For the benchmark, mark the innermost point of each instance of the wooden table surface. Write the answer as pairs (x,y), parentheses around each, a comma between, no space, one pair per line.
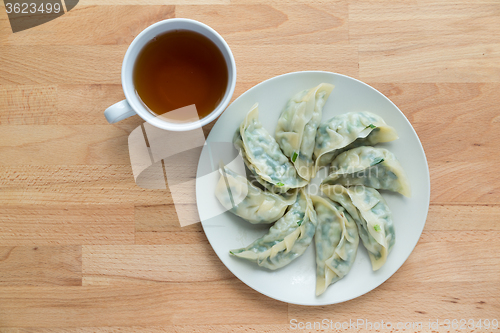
(83,249)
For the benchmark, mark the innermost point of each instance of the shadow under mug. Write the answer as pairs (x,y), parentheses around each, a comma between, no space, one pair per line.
(133,105)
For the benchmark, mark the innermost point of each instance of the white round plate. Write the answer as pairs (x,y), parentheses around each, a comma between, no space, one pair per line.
(295,283)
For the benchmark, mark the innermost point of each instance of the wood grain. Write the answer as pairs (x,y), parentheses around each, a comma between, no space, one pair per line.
(454,261)
(467,63)
(61,64)
(392,40)
(445,300)
(238,328)
(83,249)
(463,218)
(28,105)
(83,104)
(464,182)
(41,265)
(78,184)
(261,63)
(171,237)
(64,145)
(66,224)
(390,26)
(159,225)
(461,144)
(147,305)
(168,263)
(101,64)
(152,2)
(277,24)
(110,25)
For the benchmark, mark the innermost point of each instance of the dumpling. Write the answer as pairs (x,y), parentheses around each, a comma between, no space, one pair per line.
(263,156)
(243,199)
(336,240)
(254,179)
(297,125)
(372,216)
(287,239)
(369,166)
(347,131)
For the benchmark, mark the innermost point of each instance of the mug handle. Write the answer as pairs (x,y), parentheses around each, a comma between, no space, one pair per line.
(119,111)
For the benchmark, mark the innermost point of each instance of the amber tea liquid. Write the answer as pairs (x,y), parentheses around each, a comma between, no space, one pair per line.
(180,68)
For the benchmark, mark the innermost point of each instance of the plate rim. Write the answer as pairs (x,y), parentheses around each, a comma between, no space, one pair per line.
(427,194)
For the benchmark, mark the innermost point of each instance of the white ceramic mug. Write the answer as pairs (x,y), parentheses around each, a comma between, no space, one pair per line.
(133,105)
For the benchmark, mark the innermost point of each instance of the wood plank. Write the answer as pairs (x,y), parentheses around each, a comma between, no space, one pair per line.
(111,25)
(61,64)
(290,327)
(64,145)
(158,224)
(69,104)
(288,2)
(421,301)
(148,305)
(237,328)
(445,222)
(469,133)
(463,218)
(466,63)
(455,38)
(86,3)
(387,24)
(160,218)
(232,328)
(426,103)
(476,144)
(9,330)
(166,263)
(28,105)
(452,261)
(85,104)
(459,236)
(101,64)
(41,266)
(455,183)
(442,327)
(461,146)
(66,224)
(78,184)
(170,237)
(266,61)
(281,24)
(464,182)
(151,2)
(414,99)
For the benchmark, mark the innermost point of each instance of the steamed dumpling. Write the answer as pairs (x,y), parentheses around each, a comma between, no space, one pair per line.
(347,131)
(369,166)
(372,216)
(287,239)
(263,156)
(249,202)
(336,242)
(297,125)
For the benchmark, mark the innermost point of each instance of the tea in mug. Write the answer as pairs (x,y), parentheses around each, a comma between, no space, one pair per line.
(180,68)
